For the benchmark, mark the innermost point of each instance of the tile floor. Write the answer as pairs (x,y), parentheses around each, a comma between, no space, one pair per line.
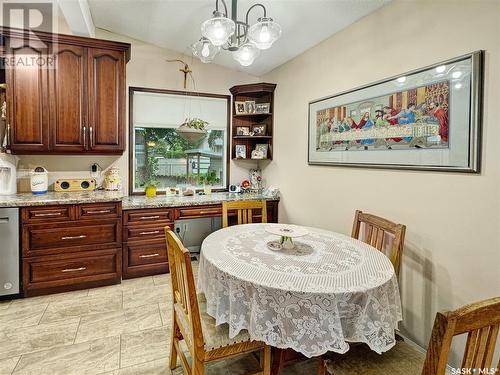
(119,329)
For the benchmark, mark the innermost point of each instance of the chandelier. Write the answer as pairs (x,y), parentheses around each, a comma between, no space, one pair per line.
(243,40)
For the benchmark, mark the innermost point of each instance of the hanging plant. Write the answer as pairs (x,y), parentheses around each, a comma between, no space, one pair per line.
(193,130)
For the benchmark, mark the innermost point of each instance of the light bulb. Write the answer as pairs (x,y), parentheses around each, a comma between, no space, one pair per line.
(218,30)
(245,54)
(457,74)
(205,51)
(401,79)
(264,34)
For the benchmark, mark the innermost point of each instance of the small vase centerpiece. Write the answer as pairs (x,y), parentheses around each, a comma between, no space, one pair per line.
(287,233)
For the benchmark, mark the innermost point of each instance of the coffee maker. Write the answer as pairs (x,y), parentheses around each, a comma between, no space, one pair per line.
(8,182)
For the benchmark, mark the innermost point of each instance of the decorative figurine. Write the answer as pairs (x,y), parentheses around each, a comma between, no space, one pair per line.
(112,180)
(256,179)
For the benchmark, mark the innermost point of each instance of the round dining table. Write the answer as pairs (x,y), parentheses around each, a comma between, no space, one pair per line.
(327,291)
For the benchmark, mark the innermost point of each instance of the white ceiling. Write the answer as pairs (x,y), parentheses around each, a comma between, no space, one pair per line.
(175,24)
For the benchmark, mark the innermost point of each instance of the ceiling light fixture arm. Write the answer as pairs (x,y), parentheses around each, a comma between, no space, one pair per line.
(217,7)
(253,6)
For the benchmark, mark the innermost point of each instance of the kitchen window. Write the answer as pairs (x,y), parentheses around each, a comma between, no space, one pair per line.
(169,156)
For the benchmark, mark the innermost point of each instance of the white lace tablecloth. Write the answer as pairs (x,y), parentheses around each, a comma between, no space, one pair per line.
(328,291)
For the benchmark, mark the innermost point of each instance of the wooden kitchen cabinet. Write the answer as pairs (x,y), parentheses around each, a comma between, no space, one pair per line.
(68,247)
(76,106)
(106,100)
(144,246)
(27,100)
(68,112)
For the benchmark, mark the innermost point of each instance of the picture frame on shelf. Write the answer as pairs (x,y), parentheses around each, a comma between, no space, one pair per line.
(241,151)
(242,130)
(239,108)
(260,151)
(250,106)
(262,107)
(259,129)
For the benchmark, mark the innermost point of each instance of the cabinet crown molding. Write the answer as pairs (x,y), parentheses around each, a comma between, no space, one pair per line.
(11,32)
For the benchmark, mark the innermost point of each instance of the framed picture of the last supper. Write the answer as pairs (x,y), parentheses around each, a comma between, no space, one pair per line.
(428,119)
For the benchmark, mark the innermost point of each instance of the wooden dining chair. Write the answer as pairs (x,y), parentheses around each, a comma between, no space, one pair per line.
(480,321)
(244,211)
(382,234)
(205,341)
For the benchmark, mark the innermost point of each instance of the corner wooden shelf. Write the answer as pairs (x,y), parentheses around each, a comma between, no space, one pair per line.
(260,93)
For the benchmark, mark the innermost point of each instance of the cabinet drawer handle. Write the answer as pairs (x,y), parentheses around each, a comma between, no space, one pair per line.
(49,214)
(73,237)
(152,232)
(149,217)
(74,269)
(99,212)
(149,255)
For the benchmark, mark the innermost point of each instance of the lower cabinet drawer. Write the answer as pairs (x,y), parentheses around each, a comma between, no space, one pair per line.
(144,258)
(201,211)
(147,216)
(47,214)
(142,233)
(65,273)
(147,253)
(69,237)
(99,211)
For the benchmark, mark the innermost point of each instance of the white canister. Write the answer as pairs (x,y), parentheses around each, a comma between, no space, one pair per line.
(39,180)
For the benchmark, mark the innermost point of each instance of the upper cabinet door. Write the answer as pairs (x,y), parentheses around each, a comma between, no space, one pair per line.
(68,99)
(27,101)
(106,100)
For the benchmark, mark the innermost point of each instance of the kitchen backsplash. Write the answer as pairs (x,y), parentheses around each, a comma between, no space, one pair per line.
(60,167)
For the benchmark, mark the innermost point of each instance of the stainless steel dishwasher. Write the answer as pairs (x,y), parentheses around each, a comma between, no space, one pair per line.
(9,251)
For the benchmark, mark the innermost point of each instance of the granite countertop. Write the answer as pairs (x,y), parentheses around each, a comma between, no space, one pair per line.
(141,201)
(128,202)
(29,199)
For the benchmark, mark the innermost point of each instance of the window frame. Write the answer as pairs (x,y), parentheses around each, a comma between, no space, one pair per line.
(131,145)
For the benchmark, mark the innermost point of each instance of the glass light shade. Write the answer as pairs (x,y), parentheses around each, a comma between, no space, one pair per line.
(204,50)
(246,54)
(218,30)
(264,33)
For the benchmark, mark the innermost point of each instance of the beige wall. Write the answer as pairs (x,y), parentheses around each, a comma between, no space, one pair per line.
(452,253)
(148,68)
